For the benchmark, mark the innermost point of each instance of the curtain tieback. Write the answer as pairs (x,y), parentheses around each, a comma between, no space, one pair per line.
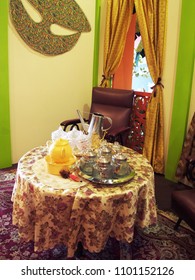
(158,83)
(104,78)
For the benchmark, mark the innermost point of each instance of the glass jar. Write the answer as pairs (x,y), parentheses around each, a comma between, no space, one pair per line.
(106,152)
(121,167)
(87,162)
(102,169)
(116,147)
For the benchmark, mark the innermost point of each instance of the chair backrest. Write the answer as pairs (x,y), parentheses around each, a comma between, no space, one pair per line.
(113,103)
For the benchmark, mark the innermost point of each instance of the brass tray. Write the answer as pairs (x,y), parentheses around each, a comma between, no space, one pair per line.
(111,181)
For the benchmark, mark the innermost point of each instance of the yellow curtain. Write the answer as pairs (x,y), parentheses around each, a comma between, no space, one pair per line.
(152,15)
(118,19)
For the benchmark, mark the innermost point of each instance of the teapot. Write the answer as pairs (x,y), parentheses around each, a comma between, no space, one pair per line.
(60,151)
(96,124)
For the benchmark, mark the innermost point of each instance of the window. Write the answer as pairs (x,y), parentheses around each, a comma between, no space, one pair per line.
(141,79)
(133,72)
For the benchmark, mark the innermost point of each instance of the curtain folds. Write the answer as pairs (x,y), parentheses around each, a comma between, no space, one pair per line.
(152,17)
(118,19)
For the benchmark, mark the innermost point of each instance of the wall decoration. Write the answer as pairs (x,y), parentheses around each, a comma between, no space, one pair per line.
(38,35)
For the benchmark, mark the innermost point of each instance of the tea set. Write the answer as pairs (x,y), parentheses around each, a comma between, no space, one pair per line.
(101,163)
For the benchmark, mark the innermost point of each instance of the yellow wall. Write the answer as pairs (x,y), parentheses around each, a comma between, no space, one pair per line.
(47,90)
(172,43)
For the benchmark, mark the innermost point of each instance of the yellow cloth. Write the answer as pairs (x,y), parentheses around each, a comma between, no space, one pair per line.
(152,19)
(118,19)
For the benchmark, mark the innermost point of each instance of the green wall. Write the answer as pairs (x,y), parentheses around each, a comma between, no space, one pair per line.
(183,87)
(5,142)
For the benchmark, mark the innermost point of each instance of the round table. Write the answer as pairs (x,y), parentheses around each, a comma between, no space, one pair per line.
(51,210)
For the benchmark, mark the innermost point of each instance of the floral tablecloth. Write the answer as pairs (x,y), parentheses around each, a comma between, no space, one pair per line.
(51,210)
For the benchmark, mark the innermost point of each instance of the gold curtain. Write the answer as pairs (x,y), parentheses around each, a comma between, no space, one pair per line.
(152,15)
(118,19)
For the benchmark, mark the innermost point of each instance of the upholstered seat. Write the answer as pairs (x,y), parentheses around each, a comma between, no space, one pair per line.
(115,104)
(183,204)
